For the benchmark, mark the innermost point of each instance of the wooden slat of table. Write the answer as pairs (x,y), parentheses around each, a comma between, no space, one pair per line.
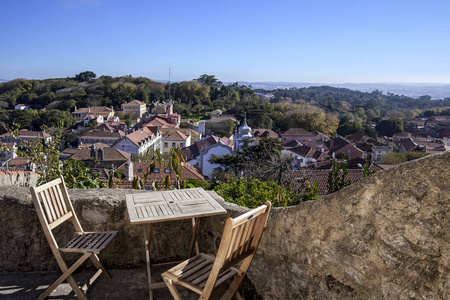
(171,205)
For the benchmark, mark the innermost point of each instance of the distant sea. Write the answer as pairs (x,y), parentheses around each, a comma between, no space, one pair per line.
(415,90)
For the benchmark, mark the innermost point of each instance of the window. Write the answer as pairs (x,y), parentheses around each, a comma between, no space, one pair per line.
(181,145)
(166,145)
(173,145)
(156,170)
(167,170)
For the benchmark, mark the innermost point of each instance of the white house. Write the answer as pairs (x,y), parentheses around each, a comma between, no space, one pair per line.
(139,142)
(6,155)
(89,118)
(379,151)
(218,149)
(304,156)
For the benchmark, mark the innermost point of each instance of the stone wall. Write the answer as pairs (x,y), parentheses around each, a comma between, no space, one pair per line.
(385,237)
(18,178)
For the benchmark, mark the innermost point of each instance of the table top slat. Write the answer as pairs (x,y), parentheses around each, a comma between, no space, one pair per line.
(149,211)
(164,209)
(155,213)
(171,205)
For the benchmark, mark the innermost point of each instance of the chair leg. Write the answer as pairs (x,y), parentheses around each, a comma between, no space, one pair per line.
(68,275)
(238,296)
(232,289)
(173,290)
(99,266)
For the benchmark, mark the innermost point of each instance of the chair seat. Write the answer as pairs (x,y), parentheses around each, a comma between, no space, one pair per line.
(89,242)
(194,272)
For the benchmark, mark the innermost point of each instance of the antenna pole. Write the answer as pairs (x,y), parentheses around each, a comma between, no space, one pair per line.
(168,90)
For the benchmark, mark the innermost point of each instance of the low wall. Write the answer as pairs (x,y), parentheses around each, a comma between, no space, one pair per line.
(385,237)
(18,178)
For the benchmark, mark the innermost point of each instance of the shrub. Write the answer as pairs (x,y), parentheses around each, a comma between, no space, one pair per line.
(198,183)
(253,193)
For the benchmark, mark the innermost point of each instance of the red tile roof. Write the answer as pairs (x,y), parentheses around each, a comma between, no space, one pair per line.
(109,154)
(96,145)
(189,172)
(102,134)
(298,132)
(265,133)
(320,176)
(19,161)
(93,109)
(160,121)
(177,135)
(25,133)
(134,102)
(194,150)
(140,136)
(358,137)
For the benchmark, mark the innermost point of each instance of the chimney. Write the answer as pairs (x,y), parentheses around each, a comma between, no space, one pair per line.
(129,170)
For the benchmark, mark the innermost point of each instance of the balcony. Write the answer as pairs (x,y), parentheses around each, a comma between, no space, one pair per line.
(385,237)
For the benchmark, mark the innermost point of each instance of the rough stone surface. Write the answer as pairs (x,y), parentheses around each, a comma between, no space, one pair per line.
(19,179)
(385,237)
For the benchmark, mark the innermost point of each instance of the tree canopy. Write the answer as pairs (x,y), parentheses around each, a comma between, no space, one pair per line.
(390,127)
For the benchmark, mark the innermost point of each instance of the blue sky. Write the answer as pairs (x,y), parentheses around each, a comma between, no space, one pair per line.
(323,41)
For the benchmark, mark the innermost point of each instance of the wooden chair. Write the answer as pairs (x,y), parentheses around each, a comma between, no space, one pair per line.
(53,207)
(205,274)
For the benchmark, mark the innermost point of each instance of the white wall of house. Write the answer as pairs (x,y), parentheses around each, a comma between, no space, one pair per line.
(299,160)
(447,141)
(99,120)
(5,155)
(217,149)
(128,146)
(200,128)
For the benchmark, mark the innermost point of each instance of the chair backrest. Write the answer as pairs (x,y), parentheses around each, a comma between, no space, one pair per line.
(240,241)
(53,207)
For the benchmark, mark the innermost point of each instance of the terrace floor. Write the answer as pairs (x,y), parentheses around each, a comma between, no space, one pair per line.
(125,284)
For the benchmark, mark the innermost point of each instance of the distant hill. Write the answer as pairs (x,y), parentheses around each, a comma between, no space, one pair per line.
(3,80)
(415,90)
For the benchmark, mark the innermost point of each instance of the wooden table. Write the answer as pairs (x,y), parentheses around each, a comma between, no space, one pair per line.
(153,207)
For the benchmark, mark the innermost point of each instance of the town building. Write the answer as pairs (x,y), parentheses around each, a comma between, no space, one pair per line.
(25,135)
(298,134)
(139,142)
(136,109)
(101,134)
(175,139)
(82,113)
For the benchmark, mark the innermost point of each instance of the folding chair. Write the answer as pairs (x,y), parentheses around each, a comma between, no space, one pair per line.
(205,274)
(53,207)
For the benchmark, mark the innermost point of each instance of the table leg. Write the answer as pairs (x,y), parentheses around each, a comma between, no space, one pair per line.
(194,242)
(148,244)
